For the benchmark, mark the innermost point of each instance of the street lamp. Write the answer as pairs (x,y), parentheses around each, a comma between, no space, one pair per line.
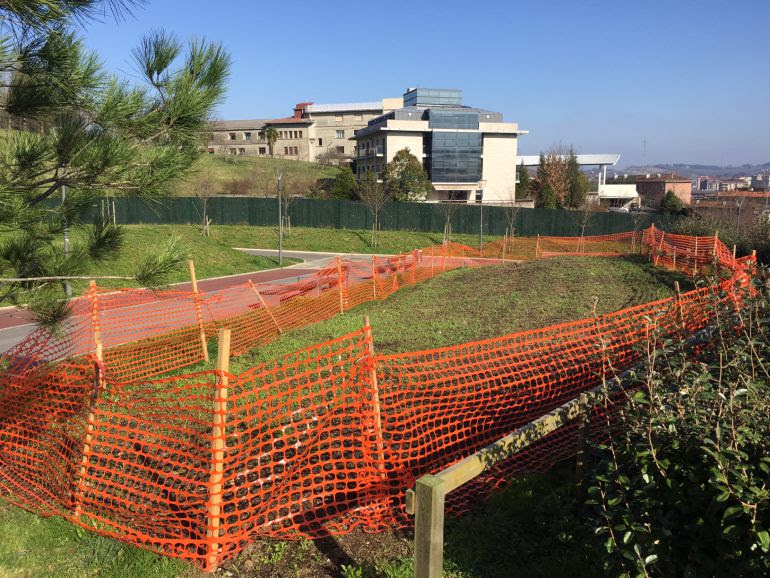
(480,197)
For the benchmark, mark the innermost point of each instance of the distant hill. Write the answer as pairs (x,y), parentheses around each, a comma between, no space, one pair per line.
(692,171)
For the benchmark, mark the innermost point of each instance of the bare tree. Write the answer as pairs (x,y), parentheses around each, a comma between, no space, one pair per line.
(295,186)
(583,217)
(553,174)
(511,210)
(374,196)
(448,209)
(204,190)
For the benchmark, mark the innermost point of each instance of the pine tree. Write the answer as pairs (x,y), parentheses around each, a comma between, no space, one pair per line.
(522,187)
(578,183)
(97,134)
(405,178)
(344,185)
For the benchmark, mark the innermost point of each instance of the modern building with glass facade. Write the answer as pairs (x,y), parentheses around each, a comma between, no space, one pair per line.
(468,153)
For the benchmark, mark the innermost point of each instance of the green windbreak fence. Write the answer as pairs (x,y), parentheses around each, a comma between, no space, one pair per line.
(341,214)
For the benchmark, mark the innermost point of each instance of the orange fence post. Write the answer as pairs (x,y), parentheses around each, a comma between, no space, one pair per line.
(214,507)
(264,304)
(374,277)
(198,312)
(375,397)
(340,284)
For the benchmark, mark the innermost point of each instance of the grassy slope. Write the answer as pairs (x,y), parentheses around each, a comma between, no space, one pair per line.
(472,304)
(213,256)
(258,172)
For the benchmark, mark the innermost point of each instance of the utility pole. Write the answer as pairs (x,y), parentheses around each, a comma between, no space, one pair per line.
(280,220)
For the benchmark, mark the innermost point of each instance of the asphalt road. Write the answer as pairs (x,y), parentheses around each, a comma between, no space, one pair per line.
(16,324)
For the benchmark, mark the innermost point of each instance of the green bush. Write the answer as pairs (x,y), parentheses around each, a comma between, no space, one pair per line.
(683,487)
(671,204)
(754,237)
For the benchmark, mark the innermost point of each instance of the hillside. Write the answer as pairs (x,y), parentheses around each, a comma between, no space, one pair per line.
(251,175)
(696,170)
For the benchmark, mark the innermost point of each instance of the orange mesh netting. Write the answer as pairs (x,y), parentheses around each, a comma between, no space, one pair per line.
(320,441)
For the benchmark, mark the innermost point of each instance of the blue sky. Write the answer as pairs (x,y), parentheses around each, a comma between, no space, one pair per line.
(692,78)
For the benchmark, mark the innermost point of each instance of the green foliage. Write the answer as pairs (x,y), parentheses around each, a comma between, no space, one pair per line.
(754,237)
(671,204)
(578,183)
(547,197)
(270,134)
(344,185)
(405,178)
(523,186)
(95,134)
(683,487)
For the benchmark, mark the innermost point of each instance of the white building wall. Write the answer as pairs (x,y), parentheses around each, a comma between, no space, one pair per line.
(401,140)
(499,167)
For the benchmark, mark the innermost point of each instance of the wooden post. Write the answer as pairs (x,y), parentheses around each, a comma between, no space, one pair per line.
(674,260)
(340,284)
(432,264)
(414,265)
(652,239)
(85,454)
(374,277)
(264,304)
(99,350)
(505,243)
(660,247)
(695,261)
(537,246)
(375,397)
(198,311)
(678,306)
(714,255)
(214,508)
(443,258)
(582,443)
(429,527)
(734,251)
(395,276)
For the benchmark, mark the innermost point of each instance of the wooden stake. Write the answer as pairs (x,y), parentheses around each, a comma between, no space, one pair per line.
(214,508)
(652,239)
(429,527)
(432,264)
(340,284)
(582,443)
(695,261)
(414,265)
(660,248)
(734,251)
(198,311)
(264,304)
(375,397)
(679,313)
(443,258)
(374,277)
(85,454)
(537,246)
(716,242)
(99,349)
(505,243)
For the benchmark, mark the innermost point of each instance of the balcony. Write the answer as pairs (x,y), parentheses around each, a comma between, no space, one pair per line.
(371,152)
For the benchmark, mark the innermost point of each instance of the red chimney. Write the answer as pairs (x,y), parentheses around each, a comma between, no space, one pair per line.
(299,109)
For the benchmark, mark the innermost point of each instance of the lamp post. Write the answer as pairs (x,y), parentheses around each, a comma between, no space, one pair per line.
(480,196)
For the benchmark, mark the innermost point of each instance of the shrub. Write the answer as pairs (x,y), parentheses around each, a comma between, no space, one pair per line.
(671,204)
(755,237)
(683,488)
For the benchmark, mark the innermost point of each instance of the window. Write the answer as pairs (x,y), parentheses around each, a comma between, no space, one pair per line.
(338,117)
(231,136)
(241,151)
(296,134)
(262,150)
(300,134)
(340,134)
(286,151)
(211,150)
(341,150)
(247,136)
(358,117)
(296,150)
(232,151)
(320,142)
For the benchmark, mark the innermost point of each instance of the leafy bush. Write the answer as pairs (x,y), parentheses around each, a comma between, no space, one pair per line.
(683,488)
(755,237)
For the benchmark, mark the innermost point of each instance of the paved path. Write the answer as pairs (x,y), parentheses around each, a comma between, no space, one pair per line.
(16,324)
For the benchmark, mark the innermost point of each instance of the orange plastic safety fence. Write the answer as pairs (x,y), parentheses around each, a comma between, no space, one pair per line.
(320,441)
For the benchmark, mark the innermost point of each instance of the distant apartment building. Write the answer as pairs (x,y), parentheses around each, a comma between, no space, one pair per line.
(312,132)
(469,154)
(761,183)
(653,188)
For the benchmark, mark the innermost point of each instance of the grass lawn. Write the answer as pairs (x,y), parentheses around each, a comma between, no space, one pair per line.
(472,304)
(526,530)
(311,239)
(213,256)
(250,174)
